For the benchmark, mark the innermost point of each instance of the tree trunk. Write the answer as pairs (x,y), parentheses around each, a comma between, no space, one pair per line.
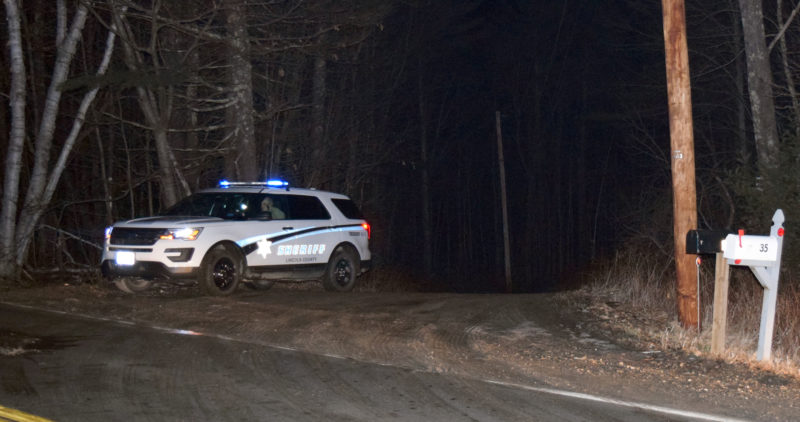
(787,72)
(30,216)
(425,200)
(742,146)
(17,100)
(166,167)
(318,145)
(35,201)
(16,237)
(156,106)
(352,145)
(105,168)
(501,167)
(244,158)
(759,82)
(44,137)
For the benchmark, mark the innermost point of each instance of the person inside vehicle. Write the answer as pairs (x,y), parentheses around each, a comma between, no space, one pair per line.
(270,211)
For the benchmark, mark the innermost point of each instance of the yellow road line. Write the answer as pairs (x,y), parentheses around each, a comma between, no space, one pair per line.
(14,415)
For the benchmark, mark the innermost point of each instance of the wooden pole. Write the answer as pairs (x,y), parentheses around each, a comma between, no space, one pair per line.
(720,323)
(504,202)
(682,151)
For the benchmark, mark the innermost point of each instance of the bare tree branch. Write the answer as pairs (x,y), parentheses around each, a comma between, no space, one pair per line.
(784,27)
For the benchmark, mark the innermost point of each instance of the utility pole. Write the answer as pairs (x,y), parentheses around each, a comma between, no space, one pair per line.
(684,196)
(504,202)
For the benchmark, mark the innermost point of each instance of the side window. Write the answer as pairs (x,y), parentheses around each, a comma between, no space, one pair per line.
(268,207)
(305,208)
(348,208)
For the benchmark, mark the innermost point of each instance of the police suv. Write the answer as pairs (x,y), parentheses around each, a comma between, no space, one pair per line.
(254,233)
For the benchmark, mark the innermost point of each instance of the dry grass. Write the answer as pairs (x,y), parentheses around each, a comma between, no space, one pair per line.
(646,287)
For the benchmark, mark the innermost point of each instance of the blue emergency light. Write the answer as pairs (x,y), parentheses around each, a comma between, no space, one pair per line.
(271,183)
(277,183)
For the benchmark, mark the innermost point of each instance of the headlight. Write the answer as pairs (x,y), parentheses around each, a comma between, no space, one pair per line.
(108,232)
(186,233)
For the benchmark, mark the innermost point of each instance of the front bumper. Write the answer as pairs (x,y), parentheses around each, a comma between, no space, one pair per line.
(145,269)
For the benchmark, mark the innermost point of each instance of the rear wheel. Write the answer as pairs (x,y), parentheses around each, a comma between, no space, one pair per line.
(221,271)
(342,271)
(132,284)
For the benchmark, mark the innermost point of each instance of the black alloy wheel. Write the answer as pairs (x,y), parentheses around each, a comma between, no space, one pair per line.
(342,271)
(221,271)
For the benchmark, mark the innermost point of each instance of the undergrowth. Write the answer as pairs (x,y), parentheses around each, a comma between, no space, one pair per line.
(646,286)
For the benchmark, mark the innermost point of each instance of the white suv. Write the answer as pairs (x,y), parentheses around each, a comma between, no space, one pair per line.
(255,233)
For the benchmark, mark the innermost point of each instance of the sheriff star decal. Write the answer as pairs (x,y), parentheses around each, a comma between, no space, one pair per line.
(264,246)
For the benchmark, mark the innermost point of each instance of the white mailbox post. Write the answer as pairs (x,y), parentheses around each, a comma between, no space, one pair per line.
(763,255)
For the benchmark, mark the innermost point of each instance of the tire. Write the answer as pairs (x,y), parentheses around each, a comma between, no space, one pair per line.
(260,284)
(221,271)
(340,276)
(132,285)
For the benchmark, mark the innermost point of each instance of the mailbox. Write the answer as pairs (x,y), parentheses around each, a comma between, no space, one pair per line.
(750,250)
(705,241)
(763,255)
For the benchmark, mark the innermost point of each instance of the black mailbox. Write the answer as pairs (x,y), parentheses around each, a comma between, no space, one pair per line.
(705,241)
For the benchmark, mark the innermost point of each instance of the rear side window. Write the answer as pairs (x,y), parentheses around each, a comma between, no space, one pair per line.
(306,208)
(348,208)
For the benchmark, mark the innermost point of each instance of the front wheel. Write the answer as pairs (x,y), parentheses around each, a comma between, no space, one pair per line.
(221,271)
(132,284)
(342,271)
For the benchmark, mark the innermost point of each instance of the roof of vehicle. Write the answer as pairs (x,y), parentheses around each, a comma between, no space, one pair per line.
(266,187)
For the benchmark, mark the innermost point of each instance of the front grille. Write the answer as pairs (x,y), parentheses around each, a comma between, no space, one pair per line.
(127,248)
(131,236)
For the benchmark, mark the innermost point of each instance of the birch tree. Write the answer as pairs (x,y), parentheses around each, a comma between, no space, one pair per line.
(17,100)
(18,224)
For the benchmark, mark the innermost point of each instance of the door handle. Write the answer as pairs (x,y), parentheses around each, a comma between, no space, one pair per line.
(288,228)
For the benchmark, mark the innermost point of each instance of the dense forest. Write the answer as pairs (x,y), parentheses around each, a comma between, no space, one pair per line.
(116,109)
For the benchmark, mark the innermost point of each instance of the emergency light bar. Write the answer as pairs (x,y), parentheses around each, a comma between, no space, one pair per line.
(277,183)
(271,183)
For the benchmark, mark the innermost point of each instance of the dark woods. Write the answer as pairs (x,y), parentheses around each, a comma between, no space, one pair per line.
(393,103)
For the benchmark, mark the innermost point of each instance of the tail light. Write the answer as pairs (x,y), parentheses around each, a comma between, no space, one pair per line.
(368,228)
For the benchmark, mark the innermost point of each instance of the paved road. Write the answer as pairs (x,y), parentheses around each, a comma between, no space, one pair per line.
(67,368)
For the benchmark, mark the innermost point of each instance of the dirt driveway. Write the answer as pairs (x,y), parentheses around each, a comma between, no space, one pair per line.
(552,340)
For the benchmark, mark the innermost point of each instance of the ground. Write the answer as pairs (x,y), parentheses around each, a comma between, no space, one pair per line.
(562,340)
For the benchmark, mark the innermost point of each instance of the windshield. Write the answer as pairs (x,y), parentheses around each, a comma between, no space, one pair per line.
(257,206)
(222,205)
